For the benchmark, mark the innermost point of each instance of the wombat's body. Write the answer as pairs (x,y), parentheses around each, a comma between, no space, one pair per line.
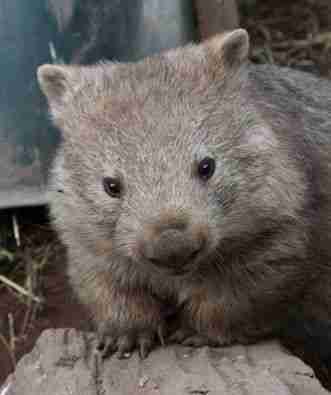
(194,183)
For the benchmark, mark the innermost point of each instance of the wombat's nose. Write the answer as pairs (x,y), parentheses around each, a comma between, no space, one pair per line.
(173,248)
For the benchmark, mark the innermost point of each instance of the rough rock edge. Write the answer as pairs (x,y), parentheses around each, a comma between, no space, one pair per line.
(64,362)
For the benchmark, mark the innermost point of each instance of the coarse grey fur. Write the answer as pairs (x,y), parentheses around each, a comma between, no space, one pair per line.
(228,256)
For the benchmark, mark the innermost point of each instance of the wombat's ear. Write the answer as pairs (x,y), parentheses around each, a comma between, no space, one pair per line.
(55,82)
(229,49)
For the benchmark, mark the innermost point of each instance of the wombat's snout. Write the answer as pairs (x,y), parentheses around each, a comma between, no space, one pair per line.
(173,246)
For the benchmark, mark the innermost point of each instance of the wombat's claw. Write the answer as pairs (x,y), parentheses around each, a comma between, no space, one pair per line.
(125,344)
(161,335)
(106,346)
(145,344)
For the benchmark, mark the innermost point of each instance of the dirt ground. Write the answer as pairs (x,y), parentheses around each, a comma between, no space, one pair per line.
(296,34)
(39,266)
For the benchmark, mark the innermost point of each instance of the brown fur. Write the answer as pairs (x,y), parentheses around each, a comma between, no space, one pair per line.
(258,231)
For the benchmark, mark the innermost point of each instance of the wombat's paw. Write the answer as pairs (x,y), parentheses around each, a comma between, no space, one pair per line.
(180,335)
(188,337)
(124,344)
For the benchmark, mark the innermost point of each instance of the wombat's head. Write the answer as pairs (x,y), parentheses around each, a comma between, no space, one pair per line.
(161,160)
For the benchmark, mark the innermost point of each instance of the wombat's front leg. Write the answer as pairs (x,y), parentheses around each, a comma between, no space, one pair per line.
(211,318)
(127,319)
(201,323)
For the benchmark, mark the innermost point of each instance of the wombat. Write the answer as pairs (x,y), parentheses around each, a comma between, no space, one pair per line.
(192,190)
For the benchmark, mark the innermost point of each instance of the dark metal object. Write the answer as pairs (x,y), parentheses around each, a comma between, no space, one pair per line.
(77,31)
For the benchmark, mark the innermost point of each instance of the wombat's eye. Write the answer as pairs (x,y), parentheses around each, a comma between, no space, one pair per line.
(206,168)
(112,186)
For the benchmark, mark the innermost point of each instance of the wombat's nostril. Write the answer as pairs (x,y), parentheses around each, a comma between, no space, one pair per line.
(173,248)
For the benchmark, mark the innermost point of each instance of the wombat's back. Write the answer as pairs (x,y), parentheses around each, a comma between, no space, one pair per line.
(294,96)
(298,105)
